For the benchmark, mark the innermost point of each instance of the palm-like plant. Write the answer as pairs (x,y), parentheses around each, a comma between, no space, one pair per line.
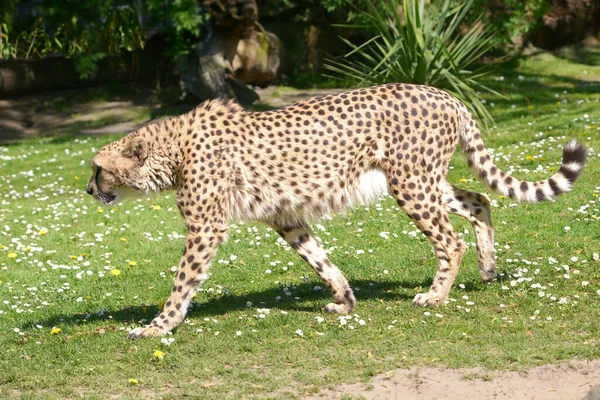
(430,45)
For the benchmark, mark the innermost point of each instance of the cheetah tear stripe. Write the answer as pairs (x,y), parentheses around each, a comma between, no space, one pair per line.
(574,158)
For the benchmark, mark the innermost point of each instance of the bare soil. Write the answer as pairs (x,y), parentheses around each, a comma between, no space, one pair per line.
(547,382)
(85,111)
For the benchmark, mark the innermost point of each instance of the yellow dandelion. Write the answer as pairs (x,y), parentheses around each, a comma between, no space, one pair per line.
(133,381)
(84,254)
(530,158)
(132,263)
(462,180)
(502,197)
(159,355)
(115,272)
(55,331)
(88,297)
(74,257)
(43,231)
(123,239)
(156,207)
(551,169)
(28,248)
(161,305)
(530,107)
(595,194)
(100,210)
(12,255)
(2,247)
(76,177)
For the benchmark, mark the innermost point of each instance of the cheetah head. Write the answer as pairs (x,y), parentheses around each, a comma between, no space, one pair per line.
(117,168)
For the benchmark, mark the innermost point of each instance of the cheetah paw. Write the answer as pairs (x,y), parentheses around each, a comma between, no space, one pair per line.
(488,275)
(335,308)
(148,331)
(427,300)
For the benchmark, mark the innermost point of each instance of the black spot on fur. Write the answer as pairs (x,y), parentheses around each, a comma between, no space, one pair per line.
(539,195)
(577,154)
(555,189)
(319,267)
(569,174)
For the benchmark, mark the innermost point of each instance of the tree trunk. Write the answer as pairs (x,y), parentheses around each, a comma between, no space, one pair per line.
(237,52)
(569,21)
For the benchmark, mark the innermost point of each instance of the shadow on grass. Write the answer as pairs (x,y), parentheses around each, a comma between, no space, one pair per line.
(530,87)
(388,291)
(59,138)
(581,55)
(62,128)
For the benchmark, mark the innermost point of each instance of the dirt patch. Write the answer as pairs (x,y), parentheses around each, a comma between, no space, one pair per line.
(100,110)
(43,115)
(547,382)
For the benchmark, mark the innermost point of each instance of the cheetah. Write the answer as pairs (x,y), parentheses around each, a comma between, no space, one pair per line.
(290,166)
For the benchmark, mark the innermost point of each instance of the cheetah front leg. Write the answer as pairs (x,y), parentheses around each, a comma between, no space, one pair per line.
(432,219)
(302,239)
(201,245)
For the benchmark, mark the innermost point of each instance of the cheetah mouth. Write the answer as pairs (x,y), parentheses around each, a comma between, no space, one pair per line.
(108,199)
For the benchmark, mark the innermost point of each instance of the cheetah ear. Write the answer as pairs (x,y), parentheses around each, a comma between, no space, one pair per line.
(136,148)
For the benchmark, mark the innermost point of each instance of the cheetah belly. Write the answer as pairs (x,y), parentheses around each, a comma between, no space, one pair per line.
(369,188)
(372,184)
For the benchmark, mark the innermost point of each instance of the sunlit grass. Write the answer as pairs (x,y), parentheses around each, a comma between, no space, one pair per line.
(257,328)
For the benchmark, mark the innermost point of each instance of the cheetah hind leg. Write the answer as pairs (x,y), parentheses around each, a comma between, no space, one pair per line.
(475,208)
(302,239)
(431,218)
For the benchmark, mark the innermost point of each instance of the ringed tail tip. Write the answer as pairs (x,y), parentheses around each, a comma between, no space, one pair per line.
(574,159)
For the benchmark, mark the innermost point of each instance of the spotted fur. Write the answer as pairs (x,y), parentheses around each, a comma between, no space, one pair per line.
(290,166)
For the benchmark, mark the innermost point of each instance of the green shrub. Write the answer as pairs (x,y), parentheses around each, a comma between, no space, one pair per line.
(511,20)
(422,44)
(90,30)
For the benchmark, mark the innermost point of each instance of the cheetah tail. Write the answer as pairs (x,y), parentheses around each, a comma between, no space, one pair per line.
(479,160)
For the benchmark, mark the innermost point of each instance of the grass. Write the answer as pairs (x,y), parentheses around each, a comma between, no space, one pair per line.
(257,328)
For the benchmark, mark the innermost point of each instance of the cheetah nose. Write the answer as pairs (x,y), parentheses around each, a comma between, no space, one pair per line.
(90,190)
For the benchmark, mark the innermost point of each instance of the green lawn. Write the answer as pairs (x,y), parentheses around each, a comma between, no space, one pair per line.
(75,277)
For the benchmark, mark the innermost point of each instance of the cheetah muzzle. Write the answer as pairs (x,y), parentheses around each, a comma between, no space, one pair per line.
(290,166)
